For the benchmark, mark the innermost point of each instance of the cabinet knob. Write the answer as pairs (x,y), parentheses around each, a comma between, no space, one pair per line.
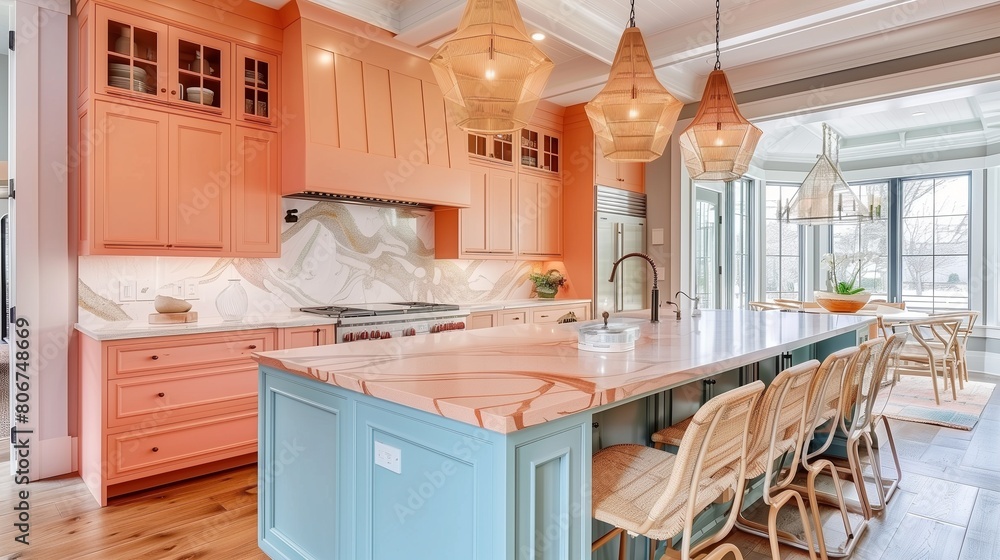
(155,357)
(163,90)
(319,331)
(253,346)
(155,449)
(161,395)
(173,92)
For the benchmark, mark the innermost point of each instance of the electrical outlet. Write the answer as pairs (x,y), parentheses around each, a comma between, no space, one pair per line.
(190,288)
(146,290)
(177,290)
(126,290)
(388,457)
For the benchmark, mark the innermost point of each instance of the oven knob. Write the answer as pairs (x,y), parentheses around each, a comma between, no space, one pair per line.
(410,332)
(348,337)
(386,335)
(460,325)
(364,335)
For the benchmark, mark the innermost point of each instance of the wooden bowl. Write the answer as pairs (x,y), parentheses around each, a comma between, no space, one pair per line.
(842,303)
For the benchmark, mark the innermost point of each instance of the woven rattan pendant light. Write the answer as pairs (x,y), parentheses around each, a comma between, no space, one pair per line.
(490,72)
(634,115)
(719,142)
(824,196)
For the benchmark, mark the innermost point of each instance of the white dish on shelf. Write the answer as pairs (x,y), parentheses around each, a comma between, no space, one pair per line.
(122,71)
(204,96)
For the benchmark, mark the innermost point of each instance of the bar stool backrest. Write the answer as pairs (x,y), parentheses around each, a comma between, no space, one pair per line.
(711,459)
(854,401)
(824,397)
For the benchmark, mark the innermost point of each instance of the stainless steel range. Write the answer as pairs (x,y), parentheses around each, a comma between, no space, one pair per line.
(372,321)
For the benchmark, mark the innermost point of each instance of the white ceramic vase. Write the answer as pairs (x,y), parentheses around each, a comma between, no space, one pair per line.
(232,302)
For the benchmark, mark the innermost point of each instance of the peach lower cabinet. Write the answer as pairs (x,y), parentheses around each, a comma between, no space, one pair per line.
(535,314)
(155,410)
(477,444)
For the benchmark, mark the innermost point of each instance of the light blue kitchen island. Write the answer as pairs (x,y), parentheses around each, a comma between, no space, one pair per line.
(477,444)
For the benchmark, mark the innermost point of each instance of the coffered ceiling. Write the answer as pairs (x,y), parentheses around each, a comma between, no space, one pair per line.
(764,43)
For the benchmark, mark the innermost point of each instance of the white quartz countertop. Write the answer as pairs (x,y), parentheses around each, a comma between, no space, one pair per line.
(118,330)
(508,378)
(512,303)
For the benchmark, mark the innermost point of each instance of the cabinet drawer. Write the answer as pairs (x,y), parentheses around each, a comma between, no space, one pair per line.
(513,317)
(164,449)
(552,314)
(178,352)
(170,398)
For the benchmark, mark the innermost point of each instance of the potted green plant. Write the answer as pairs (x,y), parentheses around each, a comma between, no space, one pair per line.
(547,283)
(844,296)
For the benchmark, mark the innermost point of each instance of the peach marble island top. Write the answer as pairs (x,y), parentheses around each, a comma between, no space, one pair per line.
(508,378)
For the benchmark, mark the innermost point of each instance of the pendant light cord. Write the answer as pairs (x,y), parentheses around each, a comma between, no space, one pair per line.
(718,53)
(631,15)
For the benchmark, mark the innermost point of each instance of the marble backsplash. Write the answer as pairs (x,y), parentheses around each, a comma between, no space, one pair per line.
(335,254)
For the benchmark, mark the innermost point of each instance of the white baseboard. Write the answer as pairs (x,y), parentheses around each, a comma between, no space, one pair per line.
(985,362)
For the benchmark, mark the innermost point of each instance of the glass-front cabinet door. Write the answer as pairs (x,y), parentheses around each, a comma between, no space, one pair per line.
(199,71)
(134,55)
(257,77)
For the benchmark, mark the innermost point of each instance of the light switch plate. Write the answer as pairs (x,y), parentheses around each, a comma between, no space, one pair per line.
(126,290)
(388,457)
(657,236)
(190,288)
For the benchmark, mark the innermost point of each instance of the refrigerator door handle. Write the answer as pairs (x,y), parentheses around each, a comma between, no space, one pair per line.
(620,280)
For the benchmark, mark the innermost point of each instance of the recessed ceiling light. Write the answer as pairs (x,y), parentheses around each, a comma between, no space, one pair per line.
(919,113)
(538,36)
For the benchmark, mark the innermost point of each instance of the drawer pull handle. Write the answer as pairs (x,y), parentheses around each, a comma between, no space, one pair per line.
(253,346)
(155,357)
(161,395)
(155,449)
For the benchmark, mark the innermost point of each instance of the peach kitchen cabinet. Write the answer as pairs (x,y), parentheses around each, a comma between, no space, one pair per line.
(256,77)
(481,320)
(540,150)
(486,229)
(155,188)
(256,192)
(157,410)
(623,175)
(144,59)
(303,337)
(539,217)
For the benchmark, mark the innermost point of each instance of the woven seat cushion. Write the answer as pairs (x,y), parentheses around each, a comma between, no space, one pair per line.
(671,435)
(633,477)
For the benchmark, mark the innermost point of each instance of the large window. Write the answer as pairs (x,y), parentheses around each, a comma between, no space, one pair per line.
(934,242)
(867,239)
(783,272)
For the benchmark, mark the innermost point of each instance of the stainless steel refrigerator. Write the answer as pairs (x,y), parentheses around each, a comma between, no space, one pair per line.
(621,229)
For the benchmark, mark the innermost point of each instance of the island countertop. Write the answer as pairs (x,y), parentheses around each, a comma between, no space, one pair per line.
(508,378)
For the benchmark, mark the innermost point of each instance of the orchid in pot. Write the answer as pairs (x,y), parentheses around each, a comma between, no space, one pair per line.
(845,295)
(547,283)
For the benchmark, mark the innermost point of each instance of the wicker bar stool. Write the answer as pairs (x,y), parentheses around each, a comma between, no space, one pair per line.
(882,385)
(643,490)
(777,429)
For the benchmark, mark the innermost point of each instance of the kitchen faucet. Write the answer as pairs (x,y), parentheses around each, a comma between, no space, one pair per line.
(654,312)
(697,299)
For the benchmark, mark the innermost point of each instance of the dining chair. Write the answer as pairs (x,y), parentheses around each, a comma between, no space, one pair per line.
(642,490)
(777,431)
(931,350)
(968,318)
(763,306)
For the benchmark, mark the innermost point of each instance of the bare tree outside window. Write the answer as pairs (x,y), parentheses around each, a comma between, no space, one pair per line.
(870,237)
(935,243)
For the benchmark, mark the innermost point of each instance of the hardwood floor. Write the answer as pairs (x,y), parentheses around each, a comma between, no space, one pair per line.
(946,509)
